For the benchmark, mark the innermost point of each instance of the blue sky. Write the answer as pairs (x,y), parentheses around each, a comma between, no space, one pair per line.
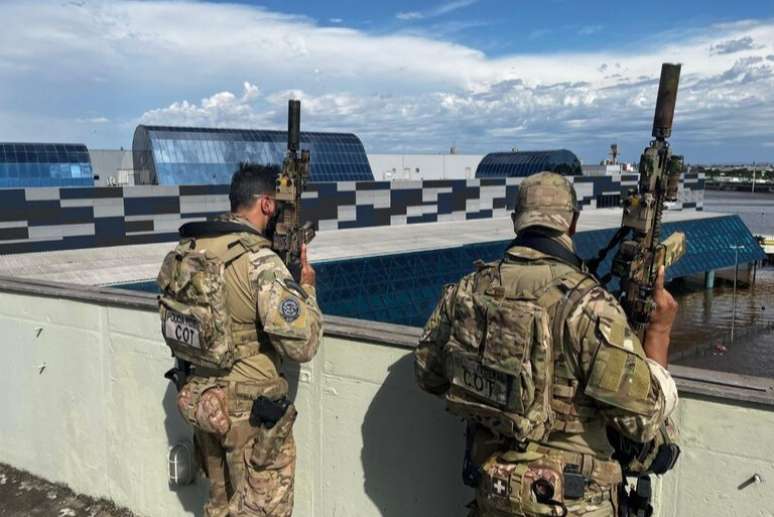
(405,76)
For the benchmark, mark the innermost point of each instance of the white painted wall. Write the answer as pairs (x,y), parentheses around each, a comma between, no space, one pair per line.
(431,166)
(84,403)
(112,163)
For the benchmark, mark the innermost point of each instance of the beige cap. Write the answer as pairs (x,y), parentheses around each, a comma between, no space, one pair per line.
(545,199)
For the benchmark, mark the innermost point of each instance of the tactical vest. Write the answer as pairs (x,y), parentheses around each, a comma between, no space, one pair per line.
(195,319)
(505,360)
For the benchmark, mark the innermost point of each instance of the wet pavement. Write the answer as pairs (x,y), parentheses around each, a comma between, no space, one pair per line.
(22,495)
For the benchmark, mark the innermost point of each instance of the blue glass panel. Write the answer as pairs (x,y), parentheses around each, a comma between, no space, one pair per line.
(31,165)
(404,288)
(524,163)
(210,156)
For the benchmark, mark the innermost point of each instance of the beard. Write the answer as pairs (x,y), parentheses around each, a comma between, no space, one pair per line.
(271,225)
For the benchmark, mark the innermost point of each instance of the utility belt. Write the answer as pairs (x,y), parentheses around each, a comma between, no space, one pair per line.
(240,395)
(543,480)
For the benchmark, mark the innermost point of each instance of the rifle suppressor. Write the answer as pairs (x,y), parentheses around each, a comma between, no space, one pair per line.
(665,103)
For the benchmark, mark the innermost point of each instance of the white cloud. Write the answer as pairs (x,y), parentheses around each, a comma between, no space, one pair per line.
(409,15)
(438,10)
(93,120)
(218,110)
(733,46)
(194,63)
(588,30)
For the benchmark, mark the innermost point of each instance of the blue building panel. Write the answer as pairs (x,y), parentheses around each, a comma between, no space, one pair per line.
(404,288)
(44,165)
(201,156)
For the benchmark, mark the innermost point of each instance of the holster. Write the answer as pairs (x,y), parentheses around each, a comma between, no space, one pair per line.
(274,422)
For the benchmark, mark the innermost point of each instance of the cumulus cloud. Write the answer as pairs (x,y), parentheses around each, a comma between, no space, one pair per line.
(733,46)
(218,110)
(229,65)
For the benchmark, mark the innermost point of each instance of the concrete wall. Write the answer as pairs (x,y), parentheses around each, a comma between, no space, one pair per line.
(85,404)
(388,167)
(112,163)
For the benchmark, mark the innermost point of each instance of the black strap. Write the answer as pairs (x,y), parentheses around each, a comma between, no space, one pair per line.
(208,228)
(547,245)
(594,263)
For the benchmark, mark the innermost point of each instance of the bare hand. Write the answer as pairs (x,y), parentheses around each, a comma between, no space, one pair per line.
(308,275)
(663,315)
(657,333)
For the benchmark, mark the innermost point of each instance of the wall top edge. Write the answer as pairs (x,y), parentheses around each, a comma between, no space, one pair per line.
(710,384)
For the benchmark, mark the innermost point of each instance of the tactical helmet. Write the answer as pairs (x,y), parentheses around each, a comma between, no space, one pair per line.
(545,199)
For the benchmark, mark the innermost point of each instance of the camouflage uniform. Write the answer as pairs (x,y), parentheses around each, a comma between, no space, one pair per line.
(599,370)
(251,469)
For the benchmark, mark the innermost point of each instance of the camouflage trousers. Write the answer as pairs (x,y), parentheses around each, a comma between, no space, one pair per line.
(250,468)
(244,479)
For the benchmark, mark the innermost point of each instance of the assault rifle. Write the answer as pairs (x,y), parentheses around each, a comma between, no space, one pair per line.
(641,253)
(290,234)
(636,264)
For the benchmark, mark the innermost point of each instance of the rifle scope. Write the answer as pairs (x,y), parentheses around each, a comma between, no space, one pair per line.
(665,102)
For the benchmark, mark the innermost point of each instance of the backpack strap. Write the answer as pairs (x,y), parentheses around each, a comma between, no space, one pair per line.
(572,296)
(241,244)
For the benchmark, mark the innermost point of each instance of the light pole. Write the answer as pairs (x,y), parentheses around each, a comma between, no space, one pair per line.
(736,273)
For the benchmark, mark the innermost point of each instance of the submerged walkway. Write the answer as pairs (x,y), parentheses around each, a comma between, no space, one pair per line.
(121,264)
(23,495)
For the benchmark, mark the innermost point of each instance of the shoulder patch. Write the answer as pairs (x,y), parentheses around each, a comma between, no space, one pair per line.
(289,309)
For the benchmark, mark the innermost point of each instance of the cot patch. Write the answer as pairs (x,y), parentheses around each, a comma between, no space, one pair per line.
(289,309)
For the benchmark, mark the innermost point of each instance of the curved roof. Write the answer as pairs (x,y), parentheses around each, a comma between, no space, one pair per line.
(524,163)
(189,155)
(45,165)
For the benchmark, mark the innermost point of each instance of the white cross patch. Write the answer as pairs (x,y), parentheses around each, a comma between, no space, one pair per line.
(499,487)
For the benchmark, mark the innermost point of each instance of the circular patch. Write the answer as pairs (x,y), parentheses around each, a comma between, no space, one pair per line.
(289,309)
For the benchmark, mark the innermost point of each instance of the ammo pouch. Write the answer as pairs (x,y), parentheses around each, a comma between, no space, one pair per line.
(655,457)
(274,422)
(189,396)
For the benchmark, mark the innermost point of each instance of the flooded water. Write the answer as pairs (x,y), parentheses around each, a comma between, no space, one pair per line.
(701,336)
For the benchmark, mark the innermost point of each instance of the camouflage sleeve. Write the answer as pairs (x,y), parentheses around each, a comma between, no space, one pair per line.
(287,312)
(636,395)
(429,361)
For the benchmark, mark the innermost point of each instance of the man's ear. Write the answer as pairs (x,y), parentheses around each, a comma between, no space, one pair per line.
(266,205)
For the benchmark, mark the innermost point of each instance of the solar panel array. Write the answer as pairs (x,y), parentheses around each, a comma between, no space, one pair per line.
(44,165)
(200,156)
